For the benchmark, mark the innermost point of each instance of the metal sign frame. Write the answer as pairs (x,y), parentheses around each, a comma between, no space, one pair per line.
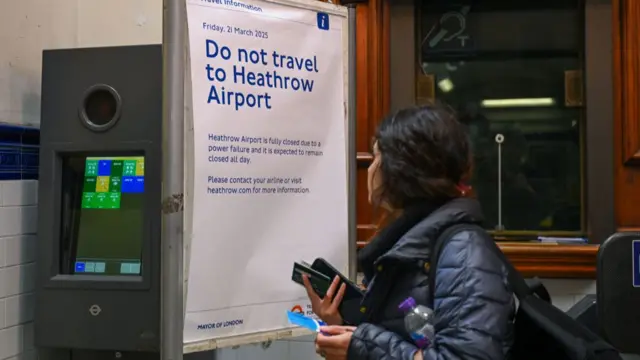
(174,41)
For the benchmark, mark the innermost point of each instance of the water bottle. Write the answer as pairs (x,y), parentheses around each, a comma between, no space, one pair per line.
(418,322)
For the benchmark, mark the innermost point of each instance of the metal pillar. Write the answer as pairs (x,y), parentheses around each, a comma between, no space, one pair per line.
(352,160)
(173,55)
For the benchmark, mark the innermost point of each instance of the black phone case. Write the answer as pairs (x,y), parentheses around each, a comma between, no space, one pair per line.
(319,281)
(350,306)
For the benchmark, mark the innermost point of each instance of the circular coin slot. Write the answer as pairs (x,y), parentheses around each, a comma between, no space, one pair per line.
(100,108)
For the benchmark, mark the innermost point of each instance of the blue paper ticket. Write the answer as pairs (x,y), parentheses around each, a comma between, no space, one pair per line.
(306,322)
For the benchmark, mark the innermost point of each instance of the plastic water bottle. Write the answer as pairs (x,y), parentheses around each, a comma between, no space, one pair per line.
(418,322)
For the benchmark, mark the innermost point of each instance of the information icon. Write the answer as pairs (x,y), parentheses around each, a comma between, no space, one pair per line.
(323,21)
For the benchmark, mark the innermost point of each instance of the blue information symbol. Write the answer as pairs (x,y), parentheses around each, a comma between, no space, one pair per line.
(636,262)
(323,21)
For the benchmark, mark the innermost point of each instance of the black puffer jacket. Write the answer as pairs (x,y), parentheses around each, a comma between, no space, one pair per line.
(473,304)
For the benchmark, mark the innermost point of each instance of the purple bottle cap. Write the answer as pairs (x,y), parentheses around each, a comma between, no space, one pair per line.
(408,304)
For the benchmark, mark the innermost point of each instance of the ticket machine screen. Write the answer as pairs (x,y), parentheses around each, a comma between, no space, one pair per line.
(102,215)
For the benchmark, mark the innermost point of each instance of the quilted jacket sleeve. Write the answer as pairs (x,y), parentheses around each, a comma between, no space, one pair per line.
(473,305)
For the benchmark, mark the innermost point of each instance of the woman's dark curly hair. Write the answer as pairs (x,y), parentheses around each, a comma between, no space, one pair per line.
(425,156)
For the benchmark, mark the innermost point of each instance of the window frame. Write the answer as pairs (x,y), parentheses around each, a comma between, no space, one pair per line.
(374,62)
(523,234)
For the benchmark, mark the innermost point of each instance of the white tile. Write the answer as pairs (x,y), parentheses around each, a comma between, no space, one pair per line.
(2,255)
(227,354)
(220,354)
(305,338)
(3,283)
(569,287)
(10,220)
(10,342)
(302,351)
(19,249)
(18,279)
(28,340)
(11,281)
(19,192)
(563,302)
(29,220)
(28,278)
(3,313)
(278,350)
(19,309)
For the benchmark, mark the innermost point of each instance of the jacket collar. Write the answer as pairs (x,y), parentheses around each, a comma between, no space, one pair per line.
(389,235)
(416,243)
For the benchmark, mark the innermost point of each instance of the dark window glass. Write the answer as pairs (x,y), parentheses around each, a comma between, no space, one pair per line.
(512,69)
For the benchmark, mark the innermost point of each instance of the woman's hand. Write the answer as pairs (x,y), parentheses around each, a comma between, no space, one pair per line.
(332,342)
(327,308)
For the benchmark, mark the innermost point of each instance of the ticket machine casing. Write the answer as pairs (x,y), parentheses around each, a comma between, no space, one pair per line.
(98,312)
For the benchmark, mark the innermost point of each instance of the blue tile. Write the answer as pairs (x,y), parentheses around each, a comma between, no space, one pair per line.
(104,167)
(19,152)
(132,184)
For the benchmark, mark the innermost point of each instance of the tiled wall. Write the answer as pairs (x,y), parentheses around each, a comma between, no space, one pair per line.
(17,243)
(18,211)
(17,268)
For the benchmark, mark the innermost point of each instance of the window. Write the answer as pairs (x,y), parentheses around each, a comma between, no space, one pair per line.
(512,70)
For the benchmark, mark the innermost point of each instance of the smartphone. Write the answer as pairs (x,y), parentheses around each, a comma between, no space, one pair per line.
(319,282)
(350,306)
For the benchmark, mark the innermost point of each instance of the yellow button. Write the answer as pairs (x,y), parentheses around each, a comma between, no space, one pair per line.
(379,267)
(427,266)
(363,309)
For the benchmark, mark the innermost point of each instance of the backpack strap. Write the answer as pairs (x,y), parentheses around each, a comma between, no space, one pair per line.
(519,285)
(537,287)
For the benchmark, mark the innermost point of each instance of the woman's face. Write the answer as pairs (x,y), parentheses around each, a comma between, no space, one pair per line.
(374,179)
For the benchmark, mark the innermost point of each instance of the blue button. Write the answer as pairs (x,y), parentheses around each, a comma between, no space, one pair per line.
(323,21)
(79,266)
(104,167)
(132,184)
(139,187)
(128,184)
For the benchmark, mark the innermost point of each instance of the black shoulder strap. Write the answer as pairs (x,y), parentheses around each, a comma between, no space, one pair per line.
(518,283)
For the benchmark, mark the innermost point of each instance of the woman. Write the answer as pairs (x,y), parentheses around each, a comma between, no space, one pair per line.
(421,156)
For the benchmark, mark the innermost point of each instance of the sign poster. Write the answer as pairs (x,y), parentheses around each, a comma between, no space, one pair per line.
(270,169)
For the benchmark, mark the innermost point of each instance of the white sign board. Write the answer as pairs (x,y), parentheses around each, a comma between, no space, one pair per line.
(270,170)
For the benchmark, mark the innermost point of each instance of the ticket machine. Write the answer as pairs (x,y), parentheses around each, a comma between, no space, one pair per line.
(98,268)
(618,291)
